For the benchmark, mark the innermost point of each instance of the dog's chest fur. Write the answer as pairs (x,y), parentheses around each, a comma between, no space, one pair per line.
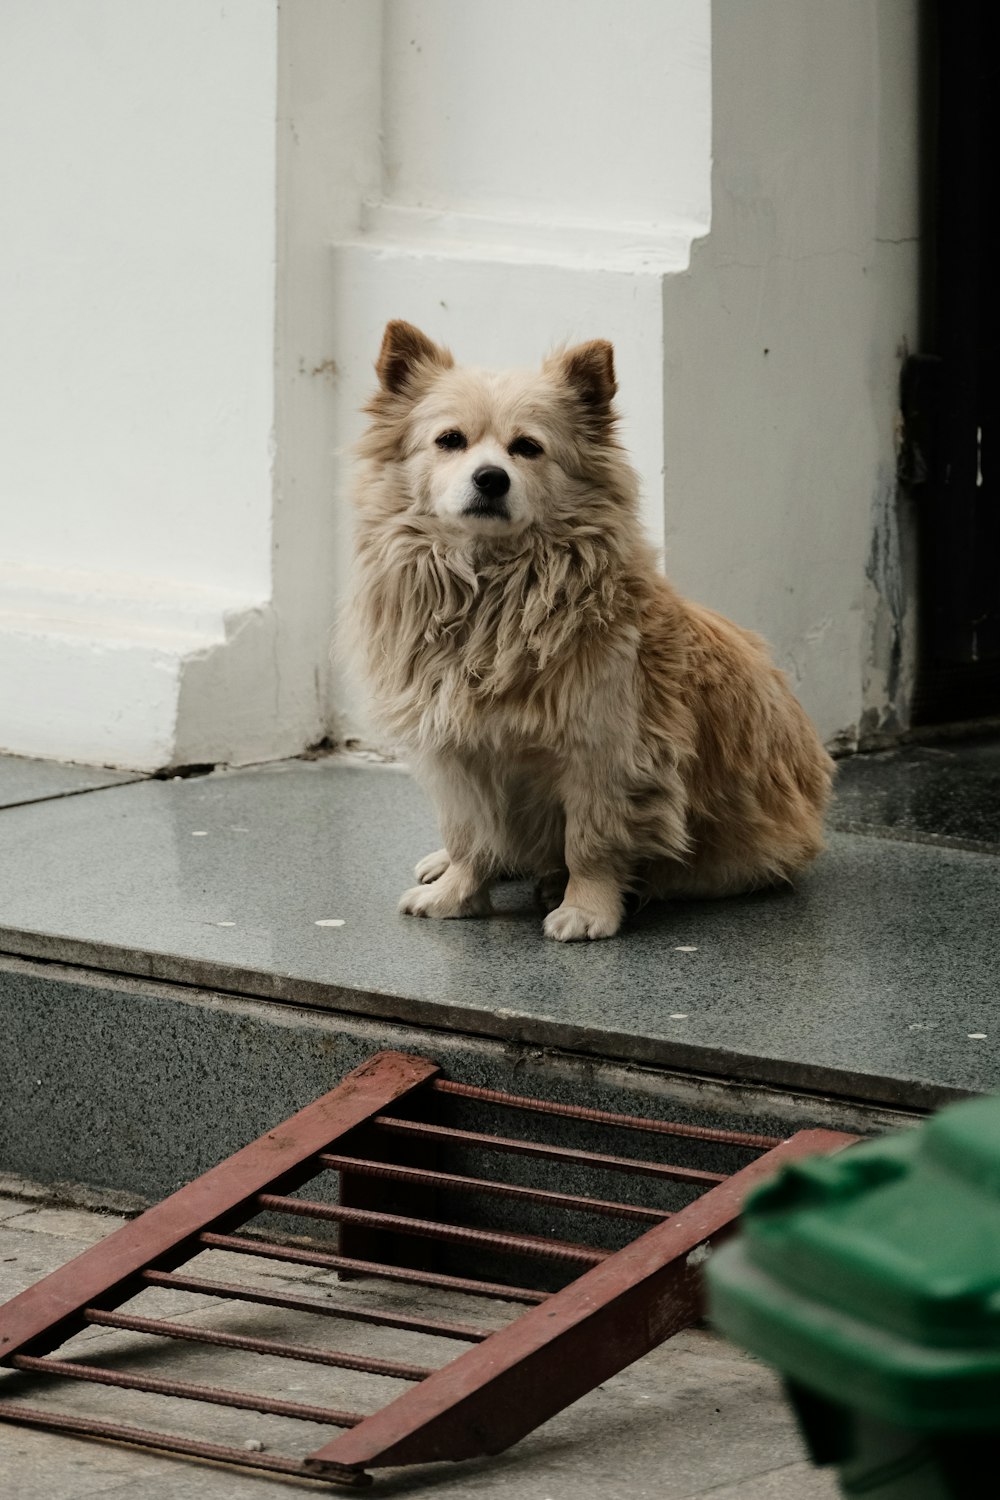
(498,652)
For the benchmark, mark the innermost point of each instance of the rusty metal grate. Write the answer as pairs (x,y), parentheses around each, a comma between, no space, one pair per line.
(589,1310)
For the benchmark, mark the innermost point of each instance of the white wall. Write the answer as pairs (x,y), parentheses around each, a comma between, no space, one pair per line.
(784,342)
(137,185)
(210,210)
(758,345)
(549,110)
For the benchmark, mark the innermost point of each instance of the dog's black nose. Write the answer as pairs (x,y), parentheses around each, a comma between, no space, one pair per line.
(492,481)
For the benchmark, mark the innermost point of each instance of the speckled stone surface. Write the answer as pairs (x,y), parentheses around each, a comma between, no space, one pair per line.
(138,1086)
(875,979)
(946,794)
(25,780)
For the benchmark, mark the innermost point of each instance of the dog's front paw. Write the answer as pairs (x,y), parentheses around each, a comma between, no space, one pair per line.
(571,924)
(432,866)
(431,901)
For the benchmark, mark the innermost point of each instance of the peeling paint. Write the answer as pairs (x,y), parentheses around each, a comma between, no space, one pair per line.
(888,668)
(328,369)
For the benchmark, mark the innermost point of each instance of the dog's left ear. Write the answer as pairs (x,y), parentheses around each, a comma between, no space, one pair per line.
(589,370)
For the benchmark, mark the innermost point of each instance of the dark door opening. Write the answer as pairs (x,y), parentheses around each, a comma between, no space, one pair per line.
(949,393)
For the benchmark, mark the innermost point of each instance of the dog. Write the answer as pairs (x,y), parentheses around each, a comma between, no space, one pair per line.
(572,717)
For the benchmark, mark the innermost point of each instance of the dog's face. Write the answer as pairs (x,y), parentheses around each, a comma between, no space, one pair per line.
(489,454)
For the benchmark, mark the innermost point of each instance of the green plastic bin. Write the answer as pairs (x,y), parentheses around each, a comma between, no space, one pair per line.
(871,1280)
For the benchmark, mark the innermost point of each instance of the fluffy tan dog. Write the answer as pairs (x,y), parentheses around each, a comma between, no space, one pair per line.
(570,714)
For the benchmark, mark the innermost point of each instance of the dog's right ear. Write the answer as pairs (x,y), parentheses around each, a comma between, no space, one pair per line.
(407,353)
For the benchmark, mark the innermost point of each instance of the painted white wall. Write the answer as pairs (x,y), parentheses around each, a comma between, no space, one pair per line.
(211,209)
(137,185)
(172,177)
(783,346)
(769,475)
(549,111)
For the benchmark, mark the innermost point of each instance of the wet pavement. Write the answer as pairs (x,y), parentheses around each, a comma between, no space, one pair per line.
(875,978)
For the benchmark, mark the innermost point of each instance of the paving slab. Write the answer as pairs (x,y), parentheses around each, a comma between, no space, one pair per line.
(875,978)
(947,794)
(23,779)
(695,1418)
(67,1223)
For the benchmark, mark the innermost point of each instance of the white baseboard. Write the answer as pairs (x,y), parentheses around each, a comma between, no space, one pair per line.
(105,669)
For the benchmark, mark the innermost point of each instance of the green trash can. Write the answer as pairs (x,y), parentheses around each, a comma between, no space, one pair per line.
(871,1280)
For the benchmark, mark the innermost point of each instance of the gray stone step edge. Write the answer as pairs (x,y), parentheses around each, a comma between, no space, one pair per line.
(126,1086)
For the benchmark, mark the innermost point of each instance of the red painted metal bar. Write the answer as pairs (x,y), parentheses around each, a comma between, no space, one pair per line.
(192,1334)
(496,1289)
(506,1384)
(535,1245)
(45,1312)
(449,1182)
(214,1395)
(117,1432)
(604,1117)
(417,1130)
(550,1356)
(237,1291)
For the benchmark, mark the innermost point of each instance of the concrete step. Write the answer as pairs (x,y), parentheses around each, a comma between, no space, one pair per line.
(183,963)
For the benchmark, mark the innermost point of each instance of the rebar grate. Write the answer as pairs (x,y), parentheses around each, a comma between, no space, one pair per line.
(382,1132)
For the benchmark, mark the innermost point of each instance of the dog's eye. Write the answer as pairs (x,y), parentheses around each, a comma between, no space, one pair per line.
(525,447)
(451,439)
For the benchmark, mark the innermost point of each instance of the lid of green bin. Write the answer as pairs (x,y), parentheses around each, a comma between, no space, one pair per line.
(903,1233)
(873,1276)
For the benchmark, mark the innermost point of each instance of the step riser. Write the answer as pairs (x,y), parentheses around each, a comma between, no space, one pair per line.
(136,1087)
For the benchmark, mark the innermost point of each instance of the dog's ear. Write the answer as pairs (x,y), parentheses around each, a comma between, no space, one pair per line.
(405,353)
(589,370)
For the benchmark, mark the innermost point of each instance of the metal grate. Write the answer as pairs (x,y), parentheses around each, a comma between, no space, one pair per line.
(383,1132)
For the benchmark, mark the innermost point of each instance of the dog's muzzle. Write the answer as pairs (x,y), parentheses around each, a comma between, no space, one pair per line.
(488,500)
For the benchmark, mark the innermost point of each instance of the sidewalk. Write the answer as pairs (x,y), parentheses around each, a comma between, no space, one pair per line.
(185,962)
(693,1419)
